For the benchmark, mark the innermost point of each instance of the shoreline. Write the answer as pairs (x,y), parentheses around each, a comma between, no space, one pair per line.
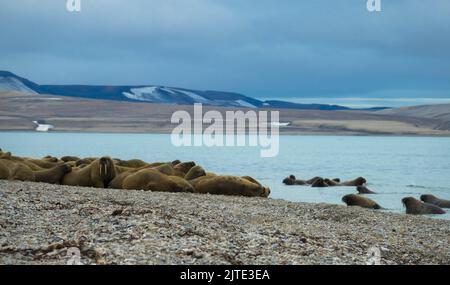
(288,133)
(39,222)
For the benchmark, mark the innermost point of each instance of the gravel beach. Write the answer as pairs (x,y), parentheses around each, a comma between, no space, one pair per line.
(41,223)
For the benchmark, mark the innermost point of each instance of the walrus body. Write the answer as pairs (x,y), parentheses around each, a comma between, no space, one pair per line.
(70,158)
(195,172)
(230,185)
(435,201)
(184,167)
(416,207)
(364,190)
(292,180)
(153,180)
(356,200)
(11,170)
(53,175)
(98,174)
(355,182)
(133,163)
(319,182)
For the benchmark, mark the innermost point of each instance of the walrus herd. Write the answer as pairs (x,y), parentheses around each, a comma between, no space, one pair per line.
(428,204)
(134,174)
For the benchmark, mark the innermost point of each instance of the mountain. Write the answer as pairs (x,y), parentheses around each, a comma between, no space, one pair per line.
(151,94)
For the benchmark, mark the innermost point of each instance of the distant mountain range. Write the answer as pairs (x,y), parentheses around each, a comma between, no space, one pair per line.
(152,94)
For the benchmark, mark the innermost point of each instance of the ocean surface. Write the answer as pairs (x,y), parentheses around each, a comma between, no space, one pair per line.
(395,167)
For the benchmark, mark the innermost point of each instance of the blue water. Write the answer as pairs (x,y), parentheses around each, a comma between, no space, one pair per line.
(395,167)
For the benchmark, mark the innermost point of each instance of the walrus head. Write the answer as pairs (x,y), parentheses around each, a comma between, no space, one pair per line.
(427,198)
(289,180)
(184,166)
(107,169)
(409,202)
(266,192)
(360,181)
(195,172)
(175,162)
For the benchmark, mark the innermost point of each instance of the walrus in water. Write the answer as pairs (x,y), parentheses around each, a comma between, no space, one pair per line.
(153,180)
(364,190)
(416,207)
(231,185)
(355,182)
(53,175)
(356,200)
(98,174)
(319,182)
(435,201)
(292,180)
(11,170)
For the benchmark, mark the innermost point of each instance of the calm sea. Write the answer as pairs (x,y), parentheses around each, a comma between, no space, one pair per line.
(395,167)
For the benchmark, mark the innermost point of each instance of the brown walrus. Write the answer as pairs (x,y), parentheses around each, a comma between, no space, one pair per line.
(195,172)
(133,163)
(364,190)
(11,170)
(230,185)
(53,175)
(435,201)
(292,180)
(69,158)
(153,180)
(319,182)
(416,207)
(356,200)
(184,167)
(98,174)
(355,182)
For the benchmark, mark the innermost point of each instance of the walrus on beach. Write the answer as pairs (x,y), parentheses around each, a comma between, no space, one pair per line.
(70,158)
(355,182)
(231,185)
(11,170)
(133,163)
(98,174)
(184,167)
(357,200)
(53,175)
(416,207)
(364,190)
(153,180)
(435,201)
(195,172)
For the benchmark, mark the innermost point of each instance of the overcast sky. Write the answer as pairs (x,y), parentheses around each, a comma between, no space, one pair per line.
(262,48)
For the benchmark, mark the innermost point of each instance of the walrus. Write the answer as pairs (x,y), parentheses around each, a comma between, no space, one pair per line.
(331,183)
(11,170)
(195,172)
(53,175)
(357,200)
(319,182)
(195,181)
(69,158)
(416,207)
(50,158)
(231,185)
(292,180)
(87,160)
(312,180)
(5,155)
(435,201)
(175,162)
(153,180)
(184,167)
(98,174)
(355,182)
(133,163)
(364,190)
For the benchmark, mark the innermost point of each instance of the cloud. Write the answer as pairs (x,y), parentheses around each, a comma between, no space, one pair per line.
(266,49)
